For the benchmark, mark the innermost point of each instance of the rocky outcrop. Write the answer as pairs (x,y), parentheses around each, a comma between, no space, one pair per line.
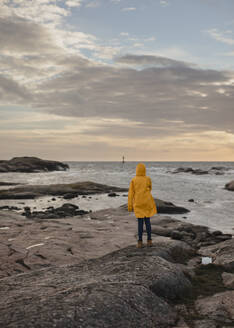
(217,170)
(165,207)
(190,170)
(31,164)
(230,186)
(194,235)
(169,208)
(127,288)
(68,191)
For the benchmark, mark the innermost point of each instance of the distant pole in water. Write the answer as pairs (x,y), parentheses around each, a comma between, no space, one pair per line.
(123,160)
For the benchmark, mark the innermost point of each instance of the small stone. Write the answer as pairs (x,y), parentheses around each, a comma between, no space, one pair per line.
(112,194)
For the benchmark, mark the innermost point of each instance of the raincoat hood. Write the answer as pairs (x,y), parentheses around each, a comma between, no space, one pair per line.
(140,169)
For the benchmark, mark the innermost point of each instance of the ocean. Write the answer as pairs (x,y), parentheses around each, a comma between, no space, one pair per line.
(213,206)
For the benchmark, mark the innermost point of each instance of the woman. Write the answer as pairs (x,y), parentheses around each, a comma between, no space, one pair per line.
(141,202)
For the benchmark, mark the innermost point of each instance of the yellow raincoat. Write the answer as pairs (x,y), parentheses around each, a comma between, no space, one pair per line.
(139,195)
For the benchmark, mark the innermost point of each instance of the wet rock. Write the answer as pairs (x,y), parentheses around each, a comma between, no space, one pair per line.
(27,212)
(9,183)
(10,208)
(217,233)
(190,170)
(169,208)
(219,168)
(70,195)
(183,169)
(112,194)
(66,210)
(31,164)
(228,279)
(230,186)
(69,190)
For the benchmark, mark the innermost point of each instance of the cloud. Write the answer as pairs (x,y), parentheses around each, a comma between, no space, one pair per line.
(152,96)
(142,60)
(124,34)
(129,9)
(93,4)
(21,36)
(74,3)
(12,92)
(50,12)
(221,37)
(164,3)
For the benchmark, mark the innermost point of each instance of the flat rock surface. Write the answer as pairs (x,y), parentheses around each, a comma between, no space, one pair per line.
(121,289)
(218,307)
(71,189)
(85,271)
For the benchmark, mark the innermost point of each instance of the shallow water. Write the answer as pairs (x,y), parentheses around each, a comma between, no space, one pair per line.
(213,206)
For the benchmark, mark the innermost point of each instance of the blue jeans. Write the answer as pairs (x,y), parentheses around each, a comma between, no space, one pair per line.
(140,228)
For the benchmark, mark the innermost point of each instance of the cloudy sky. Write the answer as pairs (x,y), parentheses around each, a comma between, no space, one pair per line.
(98,79)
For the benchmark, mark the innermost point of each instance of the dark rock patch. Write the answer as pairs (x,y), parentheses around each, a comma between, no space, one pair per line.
(112,194)
(66,210)
(230,186)
(9,184)
(190,170)
(10,208)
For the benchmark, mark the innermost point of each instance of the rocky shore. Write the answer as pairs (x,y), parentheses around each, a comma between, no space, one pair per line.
(31,165)
(85,271)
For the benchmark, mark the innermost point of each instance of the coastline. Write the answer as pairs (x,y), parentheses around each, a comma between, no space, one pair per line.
(213,206)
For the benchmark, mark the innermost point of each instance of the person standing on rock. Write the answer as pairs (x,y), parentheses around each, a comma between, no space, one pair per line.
(141,202)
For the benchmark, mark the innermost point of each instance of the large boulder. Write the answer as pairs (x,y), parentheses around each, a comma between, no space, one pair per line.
(127,288)
(31,164)
(230,185)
